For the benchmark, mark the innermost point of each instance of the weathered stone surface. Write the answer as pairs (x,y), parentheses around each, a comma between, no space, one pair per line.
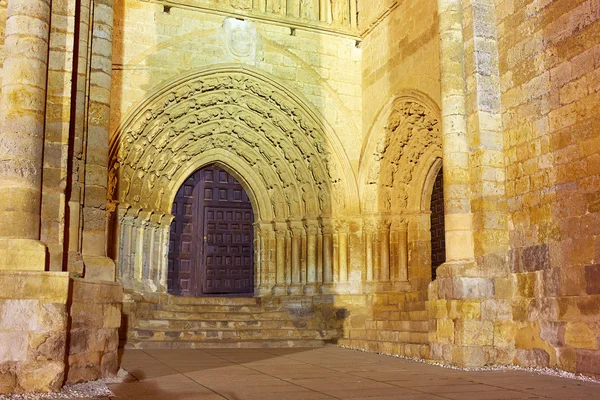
(8,378)
(49,346)
(18,315)
(13,346)
(592,279)
(109,365)
(40,376)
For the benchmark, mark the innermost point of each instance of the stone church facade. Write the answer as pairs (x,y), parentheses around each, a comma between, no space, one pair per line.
(336,118)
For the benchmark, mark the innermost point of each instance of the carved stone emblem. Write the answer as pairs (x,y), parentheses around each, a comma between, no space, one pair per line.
(241,37)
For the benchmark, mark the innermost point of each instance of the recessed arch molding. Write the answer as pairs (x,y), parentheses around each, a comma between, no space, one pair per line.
(292,165)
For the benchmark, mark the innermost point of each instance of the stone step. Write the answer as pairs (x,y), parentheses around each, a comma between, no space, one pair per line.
(178,324)
(199,308)
(220,315)
(220,301)
(226,344)
(233,334)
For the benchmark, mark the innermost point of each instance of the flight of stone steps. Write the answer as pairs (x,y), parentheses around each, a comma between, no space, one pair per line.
(165,322)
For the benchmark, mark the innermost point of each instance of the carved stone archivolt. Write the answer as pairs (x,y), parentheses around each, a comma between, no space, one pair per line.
(253,120)
(292,167)
(407,130)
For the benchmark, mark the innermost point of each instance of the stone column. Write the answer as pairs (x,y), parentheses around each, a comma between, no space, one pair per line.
(325,10)
(266,249)
(353,14)
(293,8)
(342,233)
(141,225)
(327,254)
(312,230)
(259,5)
(399,244)
(297,231)
(258,270)
(163,257)
(98,124)
(281,233)
(368,229)
(119,236)
(384,251)
(22,113)
(476,230)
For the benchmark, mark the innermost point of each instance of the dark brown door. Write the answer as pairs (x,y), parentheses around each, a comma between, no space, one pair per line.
(221,248)
(438,235)
(183,252)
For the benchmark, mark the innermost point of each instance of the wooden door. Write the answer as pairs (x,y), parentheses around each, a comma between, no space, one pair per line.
(438,232)
(221,238)
(183,250)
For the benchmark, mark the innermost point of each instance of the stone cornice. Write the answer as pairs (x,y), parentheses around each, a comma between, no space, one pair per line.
(263,16)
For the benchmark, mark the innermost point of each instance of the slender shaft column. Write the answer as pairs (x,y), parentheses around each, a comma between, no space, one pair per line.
(384,252)
(312,230)
(267,249)
(77,161)
(342,233)
(163,267)
(353,14)
(369,228)
(376,254)
(258,270)
(402,263)
(297,230)
(94,214)
(22,114)
(141,224)
(399,251)
(293,8)
(281,233)
(327,229)
(259,5)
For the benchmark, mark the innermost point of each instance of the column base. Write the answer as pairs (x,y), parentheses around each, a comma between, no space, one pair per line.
(280,289)
(99,268)
(327,288)
(310,289)
(19,254)
(263,291)
(295,289)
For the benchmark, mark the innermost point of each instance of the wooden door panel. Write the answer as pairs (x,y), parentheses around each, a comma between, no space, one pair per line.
(211,247)
(182,248)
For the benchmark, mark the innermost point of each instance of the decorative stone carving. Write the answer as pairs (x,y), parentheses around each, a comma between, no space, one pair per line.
(233,111)
(411,129)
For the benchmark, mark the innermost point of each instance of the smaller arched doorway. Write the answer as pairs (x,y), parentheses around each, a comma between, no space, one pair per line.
(211,240)
(438,231)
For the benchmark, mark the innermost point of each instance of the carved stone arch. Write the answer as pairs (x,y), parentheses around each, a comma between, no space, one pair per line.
(291,164)
(216,100)
(254,187)
(406,130)
(425,175)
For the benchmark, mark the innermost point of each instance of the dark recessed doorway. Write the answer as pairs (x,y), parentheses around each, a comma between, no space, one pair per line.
(438,233)
(212,236)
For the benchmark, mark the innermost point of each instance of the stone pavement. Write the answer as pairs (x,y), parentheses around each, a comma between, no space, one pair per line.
(324,373)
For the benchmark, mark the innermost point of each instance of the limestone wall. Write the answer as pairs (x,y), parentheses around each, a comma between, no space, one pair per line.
(322,68)
(550,78)
(400,54)
(33,330)
(3,4)
(95,312)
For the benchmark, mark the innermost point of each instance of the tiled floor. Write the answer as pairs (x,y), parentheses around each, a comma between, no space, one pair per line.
(326,373)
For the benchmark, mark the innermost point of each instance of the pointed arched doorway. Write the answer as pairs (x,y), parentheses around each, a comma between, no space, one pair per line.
(211,241)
